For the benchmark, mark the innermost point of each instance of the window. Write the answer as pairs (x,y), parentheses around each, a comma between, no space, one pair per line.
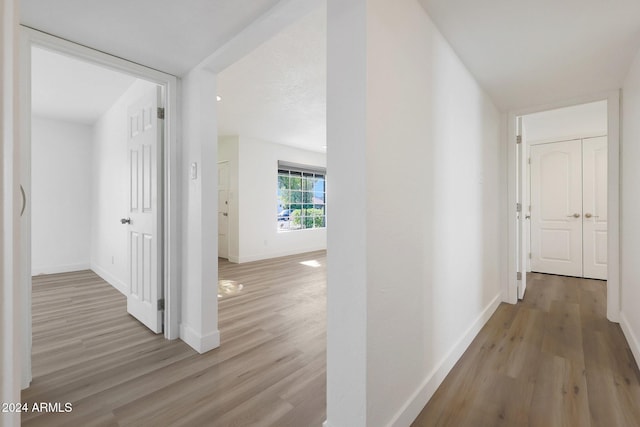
(301,197)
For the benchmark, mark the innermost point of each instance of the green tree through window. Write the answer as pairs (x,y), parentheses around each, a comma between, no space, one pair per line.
(301,199)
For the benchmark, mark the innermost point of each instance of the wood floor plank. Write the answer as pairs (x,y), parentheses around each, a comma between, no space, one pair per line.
(269,370)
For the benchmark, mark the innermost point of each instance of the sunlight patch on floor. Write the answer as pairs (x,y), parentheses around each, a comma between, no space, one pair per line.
(228,287)
(311,263)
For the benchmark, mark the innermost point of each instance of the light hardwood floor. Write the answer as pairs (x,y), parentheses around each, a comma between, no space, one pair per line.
(269,371)
(551,360)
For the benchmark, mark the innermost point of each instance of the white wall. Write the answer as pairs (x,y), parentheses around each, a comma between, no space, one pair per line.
(109,189)
(570,122)
(253,227)
(61,157)
(431,182)
(630,209)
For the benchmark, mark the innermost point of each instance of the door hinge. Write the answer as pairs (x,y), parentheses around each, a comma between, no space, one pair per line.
(519,139)
(160,113)
(518,276)
(161,304)
(518,207)
(529,160)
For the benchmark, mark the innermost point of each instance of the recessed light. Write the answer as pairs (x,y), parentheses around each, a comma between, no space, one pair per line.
(219,98)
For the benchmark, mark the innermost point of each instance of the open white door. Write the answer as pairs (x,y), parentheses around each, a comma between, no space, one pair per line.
(523,219)
(223,210)
(594,200)
(144,226)
(556,208)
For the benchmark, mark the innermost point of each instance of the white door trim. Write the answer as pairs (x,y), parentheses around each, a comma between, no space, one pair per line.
(509,289)
(169,83)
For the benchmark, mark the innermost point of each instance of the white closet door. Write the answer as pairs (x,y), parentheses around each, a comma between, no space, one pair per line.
(556,208)
(594,202)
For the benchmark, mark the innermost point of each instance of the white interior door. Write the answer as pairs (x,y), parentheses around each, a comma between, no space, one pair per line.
(223,209)
(144,236)
(594,201)
(523,217)
(556,208)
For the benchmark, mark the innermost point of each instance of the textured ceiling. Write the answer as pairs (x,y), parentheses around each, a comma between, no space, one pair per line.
(171,36)
(278,92)
(72,90)
(534,52)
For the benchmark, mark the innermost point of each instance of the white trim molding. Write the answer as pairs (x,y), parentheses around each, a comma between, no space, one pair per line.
(55,269)
(109,278)
(200,343)
(632,338)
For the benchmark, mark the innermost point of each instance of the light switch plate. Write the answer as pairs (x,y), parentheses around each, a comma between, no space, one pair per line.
(194,171)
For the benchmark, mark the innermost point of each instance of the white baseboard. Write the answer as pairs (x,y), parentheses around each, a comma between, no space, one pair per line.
(632,338)
(278,254)
(200,343)
(55,269)
(109,278)
(421,396)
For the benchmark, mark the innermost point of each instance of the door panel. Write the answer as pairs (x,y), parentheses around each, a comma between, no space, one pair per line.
(595,207)
(556,208)
(145,201)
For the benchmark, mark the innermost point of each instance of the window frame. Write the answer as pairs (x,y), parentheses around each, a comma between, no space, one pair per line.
(307,199)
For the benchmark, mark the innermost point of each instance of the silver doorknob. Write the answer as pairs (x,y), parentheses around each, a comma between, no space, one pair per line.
(125,220)
(575,215)
(588,215)
(225,214)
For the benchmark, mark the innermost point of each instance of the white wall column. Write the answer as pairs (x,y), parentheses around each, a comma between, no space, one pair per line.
(199,326)
(346,214)
(10,293)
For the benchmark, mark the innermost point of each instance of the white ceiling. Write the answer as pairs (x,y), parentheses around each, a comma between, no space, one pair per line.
(72,90)
(536,52)
(278,92)
(524,53)
(169,35)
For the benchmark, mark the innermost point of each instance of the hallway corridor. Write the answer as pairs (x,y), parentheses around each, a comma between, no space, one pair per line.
(551,360)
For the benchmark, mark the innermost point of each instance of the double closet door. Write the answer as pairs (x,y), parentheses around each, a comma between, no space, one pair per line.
(569,208)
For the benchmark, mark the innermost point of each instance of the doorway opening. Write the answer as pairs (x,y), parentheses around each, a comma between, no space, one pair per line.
(272,222)
(95,180)
(566,193)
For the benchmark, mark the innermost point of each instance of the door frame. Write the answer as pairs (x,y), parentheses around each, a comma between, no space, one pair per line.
(509,290)
(29,38)
(228,205)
